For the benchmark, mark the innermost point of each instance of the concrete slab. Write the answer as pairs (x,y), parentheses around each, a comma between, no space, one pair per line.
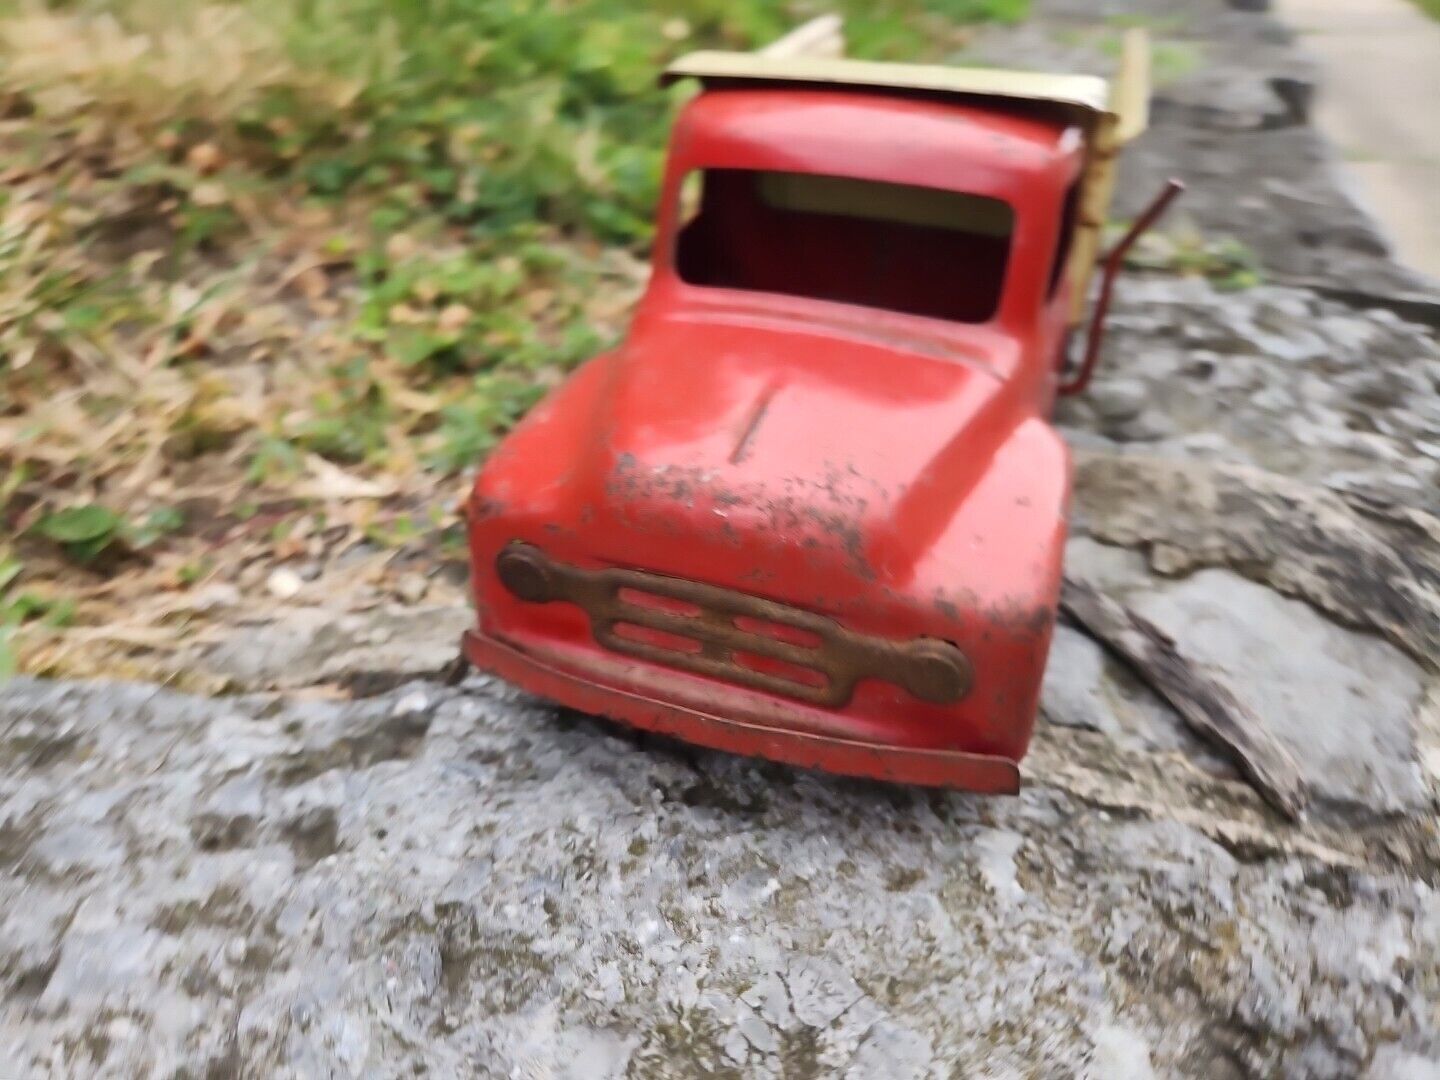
(1341,702)
(1380,103)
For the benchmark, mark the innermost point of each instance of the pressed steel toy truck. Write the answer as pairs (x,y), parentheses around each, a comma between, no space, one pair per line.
(813,508)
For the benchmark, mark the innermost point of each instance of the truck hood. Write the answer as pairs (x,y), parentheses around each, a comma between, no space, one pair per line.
(845,447)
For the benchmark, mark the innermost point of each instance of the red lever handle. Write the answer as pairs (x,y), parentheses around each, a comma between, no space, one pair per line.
(1110,269)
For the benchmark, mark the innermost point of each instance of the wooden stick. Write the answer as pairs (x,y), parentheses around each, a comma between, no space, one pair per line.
(1205,704)
(821,36)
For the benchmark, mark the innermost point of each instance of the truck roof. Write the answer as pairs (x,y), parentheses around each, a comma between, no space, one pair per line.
(861,132)
(1082,98)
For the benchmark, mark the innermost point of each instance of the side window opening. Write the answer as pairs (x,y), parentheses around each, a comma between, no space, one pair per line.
(916,250)
(1064,244)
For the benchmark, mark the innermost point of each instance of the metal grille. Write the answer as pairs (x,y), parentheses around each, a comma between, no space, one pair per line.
(701,628)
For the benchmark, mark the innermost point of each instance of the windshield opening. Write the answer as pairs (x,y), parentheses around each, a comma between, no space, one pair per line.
(899,247)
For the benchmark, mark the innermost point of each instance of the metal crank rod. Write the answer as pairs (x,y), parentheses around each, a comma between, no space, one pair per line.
(1109,271)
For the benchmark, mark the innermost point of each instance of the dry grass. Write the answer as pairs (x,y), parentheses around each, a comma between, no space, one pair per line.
(163,60)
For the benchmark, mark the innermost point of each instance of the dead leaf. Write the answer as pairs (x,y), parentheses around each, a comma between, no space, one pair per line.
(400,247)
(329,481)
(209,193)
(454,318)
(205,158)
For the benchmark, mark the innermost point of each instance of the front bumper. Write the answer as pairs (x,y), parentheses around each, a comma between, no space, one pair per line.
(901,764)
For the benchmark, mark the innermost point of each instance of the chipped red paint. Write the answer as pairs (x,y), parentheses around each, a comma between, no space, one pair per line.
(893,473)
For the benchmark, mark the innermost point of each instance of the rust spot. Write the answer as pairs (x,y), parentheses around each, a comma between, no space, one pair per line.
(482,509)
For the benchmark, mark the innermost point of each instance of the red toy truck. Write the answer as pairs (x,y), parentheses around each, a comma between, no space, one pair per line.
(813,508)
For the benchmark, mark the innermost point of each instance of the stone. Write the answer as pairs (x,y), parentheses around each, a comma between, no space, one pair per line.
(1343,703)
(995,852)
(1393,1063)
(215,596)
(1116,400)
(1120,1054)
(306,646)
(1147,427)
(1431,369)
(411,588)
(229,817)
(1108,567)
(463,881)
(284,584)
(1298,97)
(1073,691)
(1207,444)
(1201,365)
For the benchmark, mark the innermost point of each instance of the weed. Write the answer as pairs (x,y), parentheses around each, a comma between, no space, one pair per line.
(82,531)
(18,607)
(86,532)
(10,569)
(191,573)
(470,427)
(1170,60)
(1227,262)
(157,525)
(397,532)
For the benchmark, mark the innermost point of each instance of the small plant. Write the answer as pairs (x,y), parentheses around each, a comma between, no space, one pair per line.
(191,573)
(472,425)
(83,532)
(157,525)
(1227,262)
(348,419)
(87,532)
(17,608)
(1170,60)
(397,532)
(9,619)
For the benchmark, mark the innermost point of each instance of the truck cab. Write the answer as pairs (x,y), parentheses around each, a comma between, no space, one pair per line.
(813,509)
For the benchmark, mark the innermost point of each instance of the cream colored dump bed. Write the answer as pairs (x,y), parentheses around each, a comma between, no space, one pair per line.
(1109,113)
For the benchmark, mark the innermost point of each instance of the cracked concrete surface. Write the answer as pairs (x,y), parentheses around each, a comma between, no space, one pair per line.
(465,882)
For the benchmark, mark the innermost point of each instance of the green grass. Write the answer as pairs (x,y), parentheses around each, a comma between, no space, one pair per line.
(508,142)
(1170,59)
(491,113)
